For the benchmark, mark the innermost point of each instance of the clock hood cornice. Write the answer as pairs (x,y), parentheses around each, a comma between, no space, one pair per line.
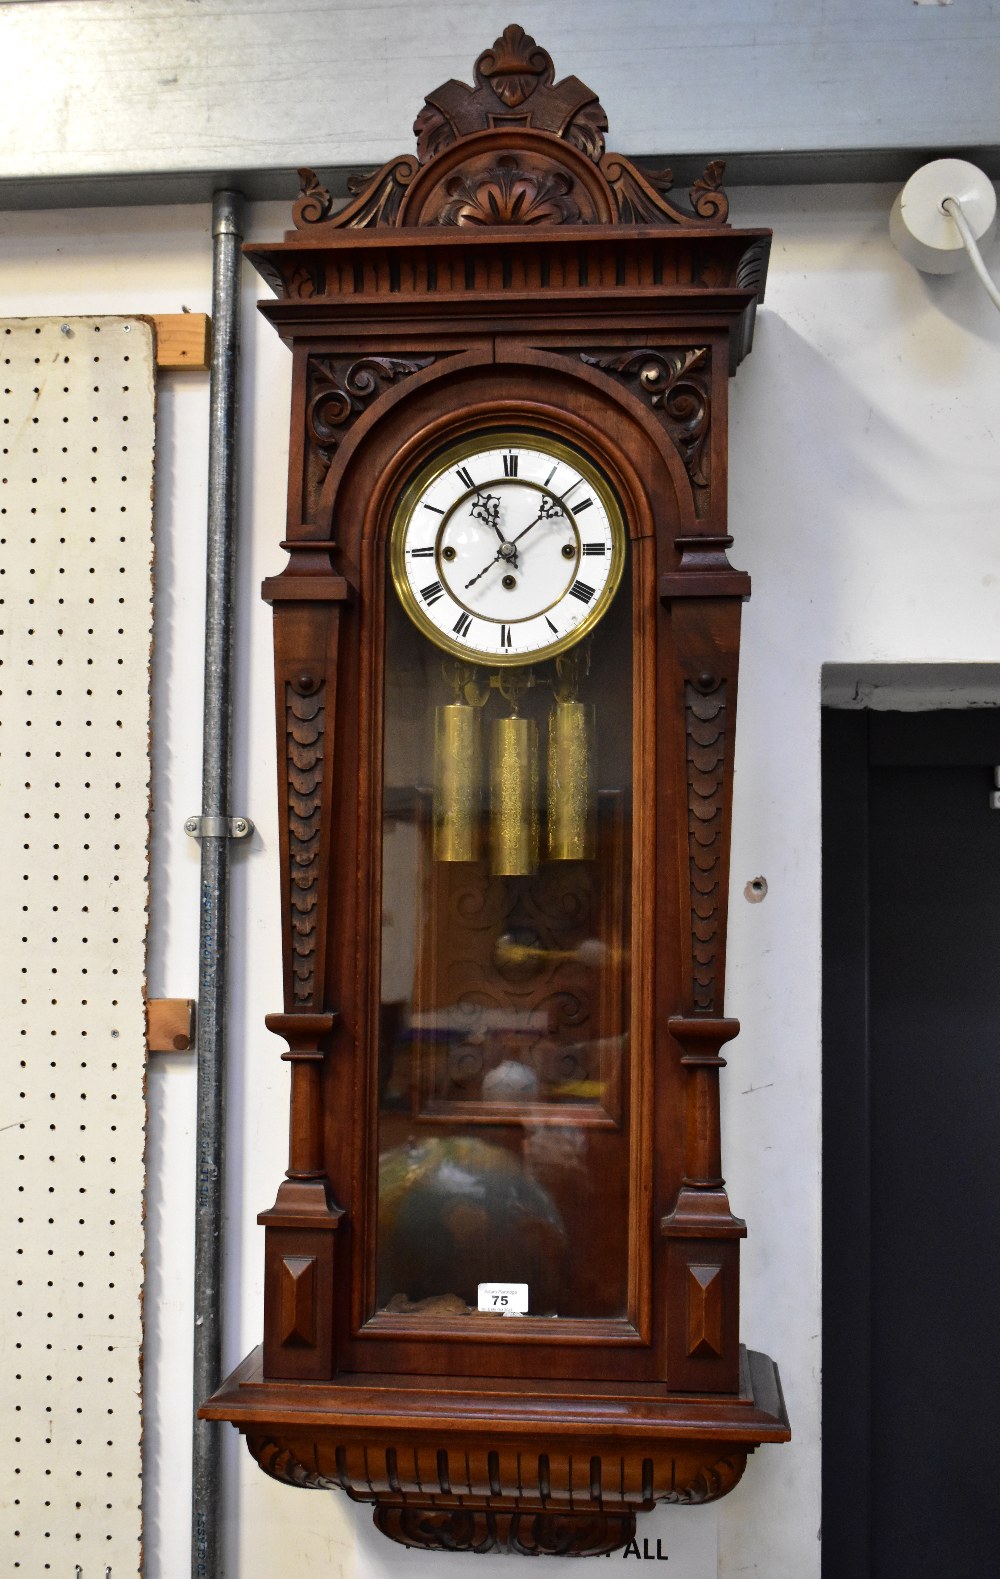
(512,199)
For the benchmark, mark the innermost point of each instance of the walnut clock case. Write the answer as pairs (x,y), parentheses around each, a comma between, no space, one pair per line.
(502,1272)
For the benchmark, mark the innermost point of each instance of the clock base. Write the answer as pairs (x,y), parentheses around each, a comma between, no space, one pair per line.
(505,1467)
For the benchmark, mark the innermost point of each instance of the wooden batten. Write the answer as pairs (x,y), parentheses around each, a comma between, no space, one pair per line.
(183,342)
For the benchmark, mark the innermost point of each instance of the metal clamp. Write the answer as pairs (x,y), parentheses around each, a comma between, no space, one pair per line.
(219,827)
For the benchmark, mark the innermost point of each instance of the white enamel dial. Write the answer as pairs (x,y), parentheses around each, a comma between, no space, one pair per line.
(508,548)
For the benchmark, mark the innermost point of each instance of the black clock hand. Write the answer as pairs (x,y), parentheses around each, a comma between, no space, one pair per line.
(548,512)
(510,556)
(486,508)
(545,513)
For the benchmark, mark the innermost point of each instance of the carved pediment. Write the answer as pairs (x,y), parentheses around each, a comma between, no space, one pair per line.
(514,86)
(517,148)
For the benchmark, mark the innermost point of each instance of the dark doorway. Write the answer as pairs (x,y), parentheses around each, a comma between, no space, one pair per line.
(911,1143)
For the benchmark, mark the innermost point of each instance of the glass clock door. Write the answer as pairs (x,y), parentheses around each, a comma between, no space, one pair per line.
(505,1046)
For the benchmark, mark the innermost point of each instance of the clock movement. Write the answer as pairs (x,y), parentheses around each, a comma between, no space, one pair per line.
(502,1272)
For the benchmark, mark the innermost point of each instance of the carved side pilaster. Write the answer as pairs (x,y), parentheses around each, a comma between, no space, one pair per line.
(305,730)
(705,726)
(702,1235)
(677,384)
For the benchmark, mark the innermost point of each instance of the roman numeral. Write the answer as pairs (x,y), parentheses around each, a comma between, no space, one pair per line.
(433,507)
(584,504)
(463,477)
(461,625)
(505,637)
(580,590)
(552,473)
(594,548)
(510,465)
(428,553)
(433,591)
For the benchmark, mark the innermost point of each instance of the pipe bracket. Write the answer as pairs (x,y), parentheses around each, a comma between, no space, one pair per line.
(218,827)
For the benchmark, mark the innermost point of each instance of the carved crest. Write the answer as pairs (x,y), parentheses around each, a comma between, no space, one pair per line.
(514,86)
(515,66)
(547,165)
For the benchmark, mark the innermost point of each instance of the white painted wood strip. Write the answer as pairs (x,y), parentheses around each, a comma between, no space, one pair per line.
(76,472)
(112,86)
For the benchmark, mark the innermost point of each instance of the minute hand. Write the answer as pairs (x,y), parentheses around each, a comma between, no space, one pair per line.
(547,513)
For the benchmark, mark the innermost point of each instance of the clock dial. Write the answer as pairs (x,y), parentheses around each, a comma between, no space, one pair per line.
(508,548)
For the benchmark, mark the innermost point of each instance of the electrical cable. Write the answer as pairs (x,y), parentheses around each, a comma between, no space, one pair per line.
(953,207)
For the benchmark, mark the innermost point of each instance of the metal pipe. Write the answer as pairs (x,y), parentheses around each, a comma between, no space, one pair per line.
(213,942)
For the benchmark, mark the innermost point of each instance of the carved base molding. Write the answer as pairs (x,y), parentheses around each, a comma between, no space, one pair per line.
(481,1499)
(562,1472)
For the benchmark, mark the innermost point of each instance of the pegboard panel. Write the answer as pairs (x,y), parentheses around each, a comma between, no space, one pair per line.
(76,552)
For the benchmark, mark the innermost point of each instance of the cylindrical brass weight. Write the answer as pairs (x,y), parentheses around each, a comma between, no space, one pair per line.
(513,797)
(572,816)
(457,782)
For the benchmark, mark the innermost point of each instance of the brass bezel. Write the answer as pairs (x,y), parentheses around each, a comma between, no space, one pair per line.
(447,459)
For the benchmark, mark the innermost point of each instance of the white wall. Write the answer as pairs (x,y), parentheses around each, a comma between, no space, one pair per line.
(864,482)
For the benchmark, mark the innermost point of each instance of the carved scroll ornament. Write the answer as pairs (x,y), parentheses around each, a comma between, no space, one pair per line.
(514,91)
(676,386)
(338,393)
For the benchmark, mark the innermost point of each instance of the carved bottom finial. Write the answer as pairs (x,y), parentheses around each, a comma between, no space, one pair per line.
(521,1534)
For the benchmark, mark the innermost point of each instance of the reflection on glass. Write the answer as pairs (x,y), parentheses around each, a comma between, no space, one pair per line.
(504,1046)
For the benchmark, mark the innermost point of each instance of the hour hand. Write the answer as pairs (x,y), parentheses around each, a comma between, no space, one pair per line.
(506,553)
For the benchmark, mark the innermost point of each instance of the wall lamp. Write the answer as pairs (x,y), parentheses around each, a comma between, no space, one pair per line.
(945,209)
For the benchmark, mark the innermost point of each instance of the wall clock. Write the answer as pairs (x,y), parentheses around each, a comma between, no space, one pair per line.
(502,1271)
(495,555)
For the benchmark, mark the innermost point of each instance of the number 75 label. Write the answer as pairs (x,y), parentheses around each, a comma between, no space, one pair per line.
(501,1298)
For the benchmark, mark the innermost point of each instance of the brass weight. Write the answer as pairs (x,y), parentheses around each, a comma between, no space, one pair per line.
(513,797)
(572,831)
(457,782)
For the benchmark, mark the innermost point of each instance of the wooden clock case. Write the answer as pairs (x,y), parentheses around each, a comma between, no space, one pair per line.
(512,273)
